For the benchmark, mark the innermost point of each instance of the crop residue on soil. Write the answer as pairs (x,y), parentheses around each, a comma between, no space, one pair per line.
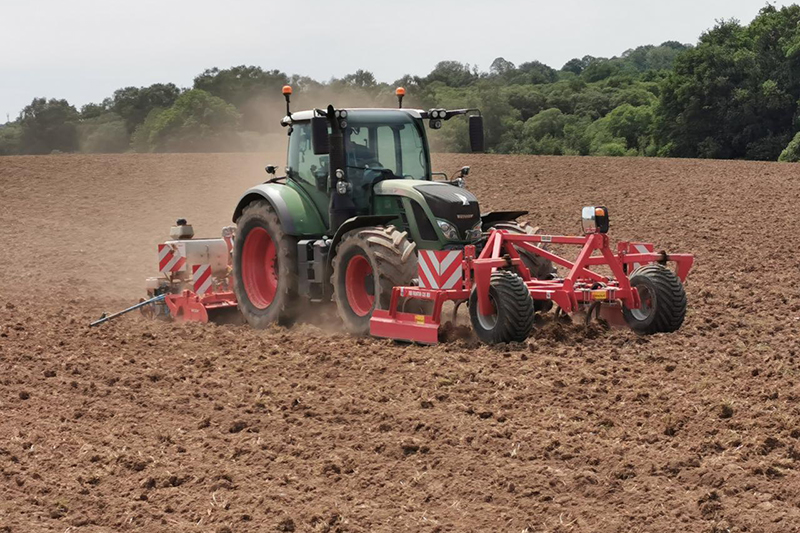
(152,426)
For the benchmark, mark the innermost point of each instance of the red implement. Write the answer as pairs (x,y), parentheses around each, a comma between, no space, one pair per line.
(582,289)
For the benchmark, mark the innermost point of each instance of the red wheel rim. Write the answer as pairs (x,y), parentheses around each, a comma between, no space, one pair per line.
(259,268)
(356,278)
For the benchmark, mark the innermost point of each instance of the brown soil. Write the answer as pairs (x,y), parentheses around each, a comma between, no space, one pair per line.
(148,426)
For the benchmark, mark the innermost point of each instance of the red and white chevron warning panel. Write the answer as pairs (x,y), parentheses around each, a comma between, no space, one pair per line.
(170,259)
(440,270)
(201,278)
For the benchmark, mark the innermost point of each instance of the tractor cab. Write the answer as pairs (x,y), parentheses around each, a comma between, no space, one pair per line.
(354,164)
(378,145)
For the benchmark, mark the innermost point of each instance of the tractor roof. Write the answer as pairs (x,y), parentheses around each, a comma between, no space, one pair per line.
(358,113)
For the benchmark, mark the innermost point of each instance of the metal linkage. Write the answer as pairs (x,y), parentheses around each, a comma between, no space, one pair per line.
(104,318)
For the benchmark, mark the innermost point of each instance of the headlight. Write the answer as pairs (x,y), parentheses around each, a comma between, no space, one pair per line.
(448,229)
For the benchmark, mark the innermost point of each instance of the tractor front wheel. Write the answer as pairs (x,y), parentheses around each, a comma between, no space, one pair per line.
(663,301)
(512,320)
(369,262)
(264,267)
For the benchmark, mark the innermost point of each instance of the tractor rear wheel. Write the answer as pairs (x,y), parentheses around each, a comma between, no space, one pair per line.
(368,263)
(513,318)
(264,267)
(663,301)
(539,267)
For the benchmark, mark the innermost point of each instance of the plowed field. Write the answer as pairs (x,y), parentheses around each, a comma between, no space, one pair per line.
(149,426)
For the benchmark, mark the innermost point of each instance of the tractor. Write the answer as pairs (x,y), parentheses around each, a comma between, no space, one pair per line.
(358,202)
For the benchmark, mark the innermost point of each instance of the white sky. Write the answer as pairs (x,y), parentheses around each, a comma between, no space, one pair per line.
(83,50)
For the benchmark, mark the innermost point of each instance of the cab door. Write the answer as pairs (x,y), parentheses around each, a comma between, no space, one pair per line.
(309,171)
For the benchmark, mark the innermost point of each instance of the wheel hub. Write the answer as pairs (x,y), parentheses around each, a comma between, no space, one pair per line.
(646,306)
(360,285)
(259,268)
(488,322)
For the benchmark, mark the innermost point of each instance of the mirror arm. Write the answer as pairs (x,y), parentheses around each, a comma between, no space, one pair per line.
(458,112)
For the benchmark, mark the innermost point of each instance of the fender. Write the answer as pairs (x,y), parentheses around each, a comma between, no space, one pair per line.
(355,223)
(298,215)
(494,217)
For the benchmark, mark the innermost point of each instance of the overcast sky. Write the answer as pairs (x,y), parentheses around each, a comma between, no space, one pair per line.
(83,50)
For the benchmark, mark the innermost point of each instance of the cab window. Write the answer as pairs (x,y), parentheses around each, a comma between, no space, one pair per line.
(303,164)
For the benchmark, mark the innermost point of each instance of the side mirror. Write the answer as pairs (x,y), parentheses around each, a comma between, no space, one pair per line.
(320,142)
(476,141)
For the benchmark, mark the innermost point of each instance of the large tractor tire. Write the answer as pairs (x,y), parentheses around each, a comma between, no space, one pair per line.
(663,301)
(514,310)
(539,267)
(368,263)
(264,267)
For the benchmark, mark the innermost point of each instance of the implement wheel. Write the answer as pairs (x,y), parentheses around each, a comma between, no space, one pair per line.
(539,267)
(368,263)
(663,301)
(512,320)
(264,267)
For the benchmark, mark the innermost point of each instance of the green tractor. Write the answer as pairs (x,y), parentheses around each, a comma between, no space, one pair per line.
(357,202)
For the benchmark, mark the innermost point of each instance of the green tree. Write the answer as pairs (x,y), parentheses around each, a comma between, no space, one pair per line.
(48,125)
(198,121)
(10,138)
(531,72)
(103,134)
(452,74)
(735,95)
(141,140)
(500,67)
(791,154)
(251,89)
(363,79)
(238,85)
(527,99)
(634,124)
(133,104)
(549,122)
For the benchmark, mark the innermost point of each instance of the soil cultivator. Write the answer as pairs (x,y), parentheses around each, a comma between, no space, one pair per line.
(502,293)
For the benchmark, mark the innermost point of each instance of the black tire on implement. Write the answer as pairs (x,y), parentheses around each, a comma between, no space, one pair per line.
(380,258)
(539,267)
(663,301)
(513,320)
(267,293)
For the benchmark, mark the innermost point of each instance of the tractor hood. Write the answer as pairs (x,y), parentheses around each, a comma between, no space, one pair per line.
(446,202)
(451,203)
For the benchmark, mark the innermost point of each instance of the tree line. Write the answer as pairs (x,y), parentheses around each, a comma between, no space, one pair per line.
(733,95)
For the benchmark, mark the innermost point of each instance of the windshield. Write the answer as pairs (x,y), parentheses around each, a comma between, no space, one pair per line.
(384,144)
